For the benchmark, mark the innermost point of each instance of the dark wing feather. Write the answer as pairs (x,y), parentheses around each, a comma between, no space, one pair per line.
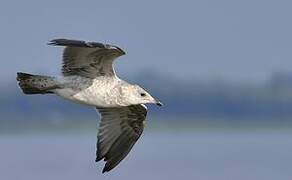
(119,130)
(87,59)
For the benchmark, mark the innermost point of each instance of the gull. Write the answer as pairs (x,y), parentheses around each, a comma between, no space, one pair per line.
(90,79)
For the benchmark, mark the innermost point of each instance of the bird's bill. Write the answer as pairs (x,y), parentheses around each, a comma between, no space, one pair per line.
(158,103)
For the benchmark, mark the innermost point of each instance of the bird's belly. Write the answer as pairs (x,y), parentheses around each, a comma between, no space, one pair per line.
(90,98)
(95,95)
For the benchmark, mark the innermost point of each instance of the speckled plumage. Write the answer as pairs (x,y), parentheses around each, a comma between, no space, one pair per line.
(99,92)
(89,78)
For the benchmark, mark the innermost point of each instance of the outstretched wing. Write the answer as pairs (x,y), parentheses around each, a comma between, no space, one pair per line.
(87,59)
(119,130)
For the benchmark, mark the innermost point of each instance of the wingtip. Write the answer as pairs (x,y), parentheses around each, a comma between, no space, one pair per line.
(122,52)
(50,44)
(54,42)
(104,170)
(97,159)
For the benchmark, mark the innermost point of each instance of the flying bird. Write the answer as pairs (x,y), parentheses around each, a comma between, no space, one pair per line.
(90,79)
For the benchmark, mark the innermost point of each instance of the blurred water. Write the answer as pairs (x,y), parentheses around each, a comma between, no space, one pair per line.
(203,156)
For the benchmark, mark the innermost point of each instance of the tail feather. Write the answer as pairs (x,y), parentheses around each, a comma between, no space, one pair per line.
(35,84)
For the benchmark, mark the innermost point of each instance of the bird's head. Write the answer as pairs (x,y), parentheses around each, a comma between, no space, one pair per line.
(134,94)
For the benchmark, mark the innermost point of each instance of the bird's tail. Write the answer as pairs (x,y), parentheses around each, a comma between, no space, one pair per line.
(36,84)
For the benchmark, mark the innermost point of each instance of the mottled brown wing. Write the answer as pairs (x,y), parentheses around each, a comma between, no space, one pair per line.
(119,130)
(87,59)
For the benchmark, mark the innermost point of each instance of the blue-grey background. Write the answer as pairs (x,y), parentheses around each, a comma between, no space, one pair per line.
(222,69)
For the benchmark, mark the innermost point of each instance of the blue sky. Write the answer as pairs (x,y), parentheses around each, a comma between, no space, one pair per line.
(237,40)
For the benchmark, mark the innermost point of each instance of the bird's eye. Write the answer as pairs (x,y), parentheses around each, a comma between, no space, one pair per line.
(143,94)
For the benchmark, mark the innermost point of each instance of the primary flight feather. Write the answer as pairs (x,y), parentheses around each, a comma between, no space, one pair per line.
(89,78)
